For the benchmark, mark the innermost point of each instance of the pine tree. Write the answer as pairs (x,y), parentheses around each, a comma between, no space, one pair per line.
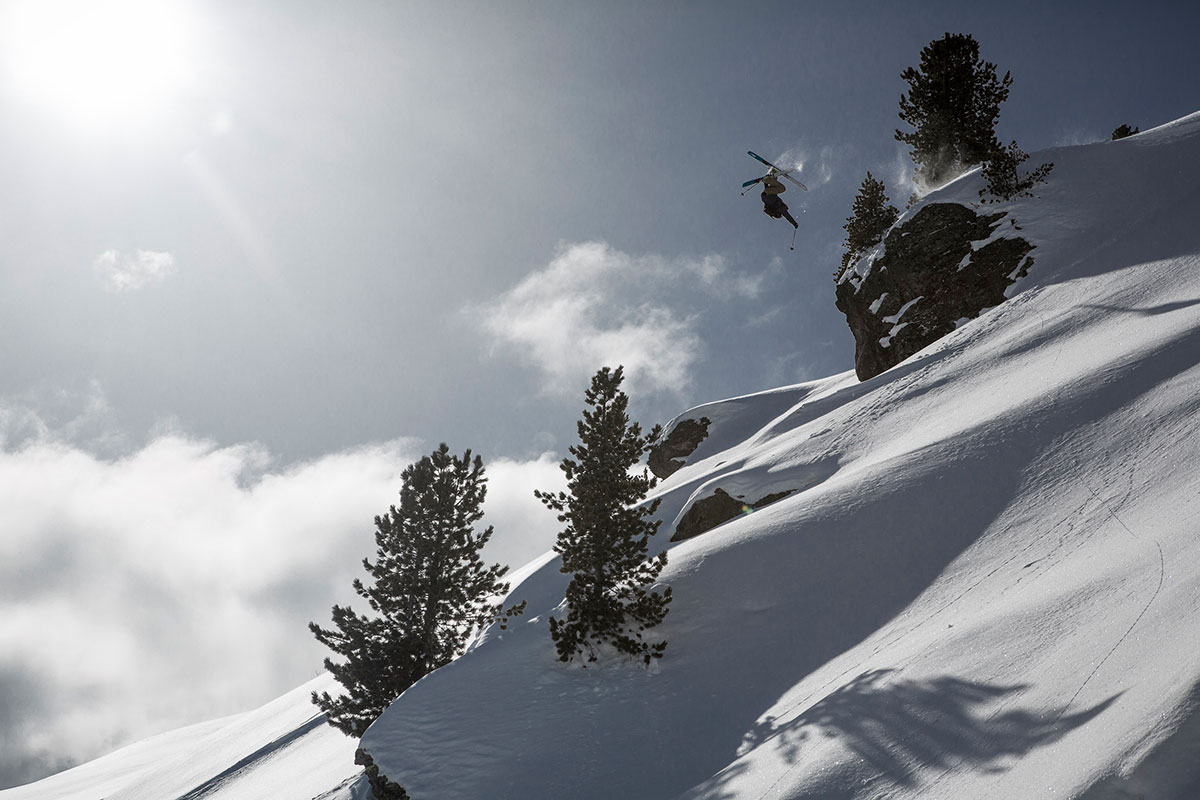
(1004,182)
(953,103)
(1122,131)
(872,216)
(428,591)
(605,544)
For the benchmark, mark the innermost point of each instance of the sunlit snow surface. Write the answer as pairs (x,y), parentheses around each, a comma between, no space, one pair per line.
(984,583)
(283,751)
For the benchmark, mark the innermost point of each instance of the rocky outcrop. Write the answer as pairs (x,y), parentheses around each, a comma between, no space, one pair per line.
(944,265)
(666,457)
(381,787)
(706,514)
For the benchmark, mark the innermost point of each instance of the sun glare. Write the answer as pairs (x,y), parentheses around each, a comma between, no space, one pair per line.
(110,62)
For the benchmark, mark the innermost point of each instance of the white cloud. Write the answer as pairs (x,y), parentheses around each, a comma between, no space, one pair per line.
(525,529)
(123,274)
(175,583)
(594,306)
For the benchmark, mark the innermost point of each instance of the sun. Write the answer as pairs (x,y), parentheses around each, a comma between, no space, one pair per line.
(98,62)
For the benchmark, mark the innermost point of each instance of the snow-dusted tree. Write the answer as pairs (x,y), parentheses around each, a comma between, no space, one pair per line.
(1004,182)
(953,103)
(605,544)
(428,591)
(871,218)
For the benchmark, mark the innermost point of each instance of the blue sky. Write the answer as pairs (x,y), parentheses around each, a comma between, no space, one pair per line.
(244,245)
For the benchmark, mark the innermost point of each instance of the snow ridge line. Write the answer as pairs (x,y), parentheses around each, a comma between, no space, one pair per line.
(215,783)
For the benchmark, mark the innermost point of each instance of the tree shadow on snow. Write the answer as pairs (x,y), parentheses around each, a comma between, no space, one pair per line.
(1164,308)
(909,732)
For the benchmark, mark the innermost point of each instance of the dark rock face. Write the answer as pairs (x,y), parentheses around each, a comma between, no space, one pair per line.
(381,787)
(666,457)
(712,511)
(929,276)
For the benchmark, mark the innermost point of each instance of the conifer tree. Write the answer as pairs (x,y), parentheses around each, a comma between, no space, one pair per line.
(1004,182)
(872,216)
(1123,130)
(428,591)
(604,546)
(953,103)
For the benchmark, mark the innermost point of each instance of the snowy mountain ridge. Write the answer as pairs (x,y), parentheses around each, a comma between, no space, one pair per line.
(950,601)
(983,583)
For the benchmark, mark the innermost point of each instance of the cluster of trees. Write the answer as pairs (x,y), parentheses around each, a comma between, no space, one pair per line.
(952,105)
(429,591)
(428,588)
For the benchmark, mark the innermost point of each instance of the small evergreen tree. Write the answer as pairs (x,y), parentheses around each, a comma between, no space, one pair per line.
(953,103)
(1122,131)
(605,544)
(872,216)
(1003,180)
(428,591)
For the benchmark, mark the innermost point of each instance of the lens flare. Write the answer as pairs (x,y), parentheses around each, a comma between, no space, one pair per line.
(98,63)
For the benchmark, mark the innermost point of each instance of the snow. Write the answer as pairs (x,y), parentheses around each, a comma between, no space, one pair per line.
(282,750)
(984,583)
(892,319)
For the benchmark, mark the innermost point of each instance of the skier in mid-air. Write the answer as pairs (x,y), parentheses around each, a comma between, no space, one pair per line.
(773,205)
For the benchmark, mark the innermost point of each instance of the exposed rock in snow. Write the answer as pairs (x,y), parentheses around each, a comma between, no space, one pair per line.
(678,443)
(955,261)
(381,787)
(717,508)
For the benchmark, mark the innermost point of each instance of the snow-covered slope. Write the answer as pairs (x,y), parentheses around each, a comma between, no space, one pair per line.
(283,750)
(984,584)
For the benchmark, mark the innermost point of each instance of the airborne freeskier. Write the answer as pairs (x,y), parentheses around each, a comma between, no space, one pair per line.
(773,204)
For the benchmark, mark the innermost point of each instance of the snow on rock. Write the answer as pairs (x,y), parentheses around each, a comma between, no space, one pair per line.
(983,583)
(892,319)
(958,260)
(730,421)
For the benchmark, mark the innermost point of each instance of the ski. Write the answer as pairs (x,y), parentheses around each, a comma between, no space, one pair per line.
(763,160)
(785,174)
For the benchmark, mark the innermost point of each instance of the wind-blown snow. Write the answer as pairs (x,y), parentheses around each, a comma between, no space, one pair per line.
(984,583)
